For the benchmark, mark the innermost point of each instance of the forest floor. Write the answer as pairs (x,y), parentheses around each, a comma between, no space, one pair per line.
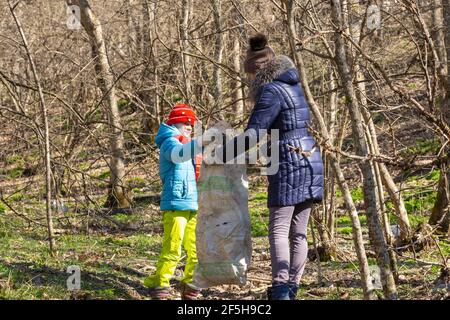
(120,250)
(116,251)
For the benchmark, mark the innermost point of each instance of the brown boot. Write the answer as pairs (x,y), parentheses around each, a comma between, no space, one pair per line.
(189,292)
(160,293)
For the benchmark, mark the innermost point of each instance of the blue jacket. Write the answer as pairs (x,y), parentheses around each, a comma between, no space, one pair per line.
(177,170)
(280,104)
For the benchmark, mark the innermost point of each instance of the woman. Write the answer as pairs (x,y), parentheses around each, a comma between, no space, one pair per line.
(280,104)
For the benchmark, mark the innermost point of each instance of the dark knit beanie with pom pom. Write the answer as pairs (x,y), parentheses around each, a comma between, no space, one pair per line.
(258,53)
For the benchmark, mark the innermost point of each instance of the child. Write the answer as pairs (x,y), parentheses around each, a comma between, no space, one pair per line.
(179,164)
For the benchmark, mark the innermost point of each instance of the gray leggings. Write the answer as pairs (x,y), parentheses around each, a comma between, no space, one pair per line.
(288,245)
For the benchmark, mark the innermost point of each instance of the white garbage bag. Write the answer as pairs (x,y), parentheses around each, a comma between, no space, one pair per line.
(224,246)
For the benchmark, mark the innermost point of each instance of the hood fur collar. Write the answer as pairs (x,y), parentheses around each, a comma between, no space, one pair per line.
(269,71)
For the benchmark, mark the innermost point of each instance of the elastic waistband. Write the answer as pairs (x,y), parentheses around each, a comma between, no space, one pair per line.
(296,133)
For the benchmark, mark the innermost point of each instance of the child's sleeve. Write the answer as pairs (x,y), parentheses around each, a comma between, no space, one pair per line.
(176,152)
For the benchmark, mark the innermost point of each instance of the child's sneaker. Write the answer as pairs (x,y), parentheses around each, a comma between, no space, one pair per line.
(189,292)
(160,293)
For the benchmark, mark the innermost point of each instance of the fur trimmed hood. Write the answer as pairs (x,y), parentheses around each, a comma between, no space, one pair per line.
(270,71)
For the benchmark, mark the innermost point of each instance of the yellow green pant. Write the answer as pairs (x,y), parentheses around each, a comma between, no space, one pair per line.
(179,230)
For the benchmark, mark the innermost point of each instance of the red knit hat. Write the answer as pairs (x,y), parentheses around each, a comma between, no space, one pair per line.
(181,113)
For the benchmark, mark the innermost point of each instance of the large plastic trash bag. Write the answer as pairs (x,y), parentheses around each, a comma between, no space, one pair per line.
(224,246)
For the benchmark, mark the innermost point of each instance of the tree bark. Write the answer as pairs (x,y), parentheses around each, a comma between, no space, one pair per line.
(370,186)
(382,173)
(438,38)
(184,44)
(118,195)
(441,209)
(385,178)
(150,123)
(238,83)
(218,54)
(356,225)
(45,135)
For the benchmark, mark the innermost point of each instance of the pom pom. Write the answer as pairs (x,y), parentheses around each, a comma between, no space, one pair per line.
(258,42)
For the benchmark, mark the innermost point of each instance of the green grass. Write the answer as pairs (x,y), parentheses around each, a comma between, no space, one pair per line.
(123,104)
(15,159)
(259,196)
(136,182)
(106,293)
(107,262)
(104,175)
(415,220)
(16,172)
(259,215)
(125,218)
(17,164)
(445,248)
(259,219)
(423,147)
(345,221)
(84,166)
(433,175)
(17,197)
(344,224)
(419,201)
(357,194)
(345,230)
(424,180)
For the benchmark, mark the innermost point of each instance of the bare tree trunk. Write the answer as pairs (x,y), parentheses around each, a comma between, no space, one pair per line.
(382,174)
(184,44)
(332,120)
(446,15)
(237,84)
(118,195)
(330,187)
(371,138)
(151,99)
(218,54)
(356,225)
(45,135)
(441,209)
(439,38)
(399,204)
(131,35)
(370,186)
(337,140)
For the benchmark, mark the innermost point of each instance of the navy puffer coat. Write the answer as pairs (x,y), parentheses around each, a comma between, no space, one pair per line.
(280,104)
